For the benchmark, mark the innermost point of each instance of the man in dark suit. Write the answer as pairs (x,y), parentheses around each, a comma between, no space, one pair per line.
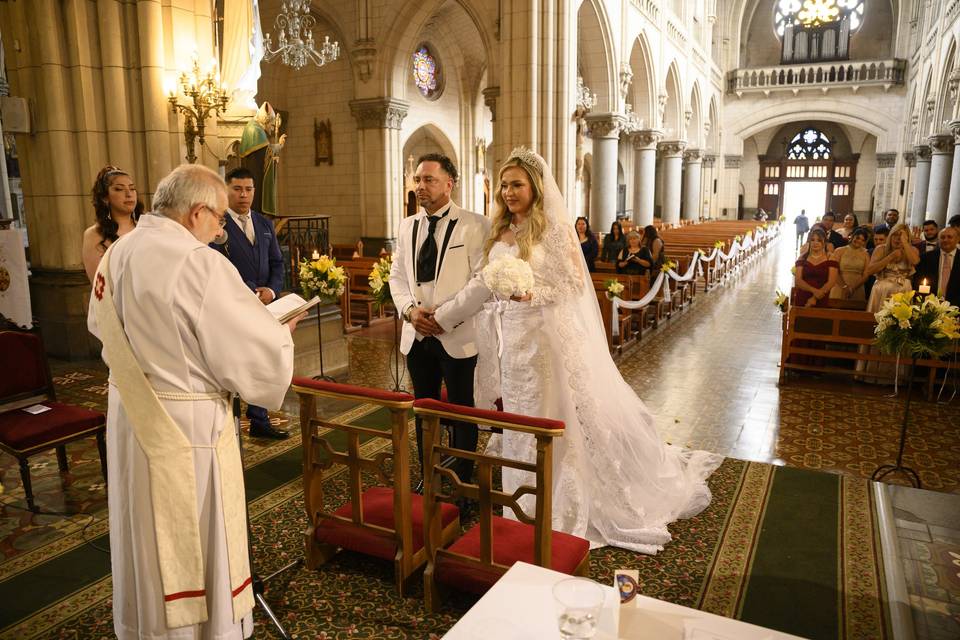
(833,237)
(940,267)
(929,239)
(253,249)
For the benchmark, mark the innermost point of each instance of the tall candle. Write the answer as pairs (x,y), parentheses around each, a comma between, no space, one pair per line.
(924,287)
(316,255)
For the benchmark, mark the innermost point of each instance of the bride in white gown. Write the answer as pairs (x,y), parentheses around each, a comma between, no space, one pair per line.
(545,354)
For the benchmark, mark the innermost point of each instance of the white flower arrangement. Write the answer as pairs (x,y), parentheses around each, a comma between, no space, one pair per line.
(508,276)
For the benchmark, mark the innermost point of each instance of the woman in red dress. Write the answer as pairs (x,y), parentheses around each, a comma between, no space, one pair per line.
(816,273)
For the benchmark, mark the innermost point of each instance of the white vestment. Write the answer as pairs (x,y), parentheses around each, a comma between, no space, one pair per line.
(194,328)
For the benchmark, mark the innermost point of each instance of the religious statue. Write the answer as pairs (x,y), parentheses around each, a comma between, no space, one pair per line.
(579,117)
(259,151)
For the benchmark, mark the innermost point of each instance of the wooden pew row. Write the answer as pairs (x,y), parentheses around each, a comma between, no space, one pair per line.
(841,333)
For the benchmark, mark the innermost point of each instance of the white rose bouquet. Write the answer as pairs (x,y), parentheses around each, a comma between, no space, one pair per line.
(508,276)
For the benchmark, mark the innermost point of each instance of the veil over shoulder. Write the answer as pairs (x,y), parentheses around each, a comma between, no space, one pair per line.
(616,482)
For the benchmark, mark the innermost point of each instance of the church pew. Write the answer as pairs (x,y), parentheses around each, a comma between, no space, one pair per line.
(833,329)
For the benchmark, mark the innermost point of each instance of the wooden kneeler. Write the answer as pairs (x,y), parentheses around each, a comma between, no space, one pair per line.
(385,521)
(476,560)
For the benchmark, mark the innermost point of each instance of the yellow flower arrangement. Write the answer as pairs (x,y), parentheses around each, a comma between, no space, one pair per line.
(668,265)
(918,327)
(614,288)
(379,280)
(780,301)
(719,244)
(322,277)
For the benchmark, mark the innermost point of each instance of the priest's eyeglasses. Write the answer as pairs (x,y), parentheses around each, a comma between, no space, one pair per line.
(221,218)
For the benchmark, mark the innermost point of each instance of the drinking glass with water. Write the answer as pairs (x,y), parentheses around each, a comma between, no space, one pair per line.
(579,602)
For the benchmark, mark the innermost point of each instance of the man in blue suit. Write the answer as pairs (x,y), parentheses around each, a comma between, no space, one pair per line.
(252,247)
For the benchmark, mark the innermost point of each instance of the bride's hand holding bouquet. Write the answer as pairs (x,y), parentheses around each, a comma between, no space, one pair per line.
(509,277)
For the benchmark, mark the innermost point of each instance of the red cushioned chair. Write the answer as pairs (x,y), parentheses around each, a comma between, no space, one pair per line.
(484,553)
(381,521)
(26,381)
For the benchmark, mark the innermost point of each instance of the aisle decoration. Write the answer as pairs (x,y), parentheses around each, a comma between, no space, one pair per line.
(379,280)
(917,327)
(780,301)
(322,277)
(668,266)
(614,288)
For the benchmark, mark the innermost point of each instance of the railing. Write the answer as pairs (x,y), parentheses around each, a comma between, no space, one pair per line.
(824,75)
(299,237)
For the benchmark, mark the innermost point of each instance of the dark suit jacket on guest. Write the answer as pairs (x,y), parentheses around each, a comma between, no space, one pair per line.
(929,268)
(836,239)
(260,264)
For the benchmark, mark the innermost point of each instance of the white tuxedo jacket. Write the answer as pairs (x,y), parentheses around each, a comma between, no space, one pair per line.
(459,251)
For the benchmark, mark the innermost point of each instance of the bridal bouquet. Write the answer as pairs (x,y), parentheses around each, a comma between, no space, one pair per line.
(614,288)
(322,277)
(508,276)
(916,327)
(379,280)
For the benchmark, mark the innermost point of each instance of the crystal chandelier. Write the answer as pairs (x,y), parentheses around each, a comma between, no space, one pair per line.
(294,25)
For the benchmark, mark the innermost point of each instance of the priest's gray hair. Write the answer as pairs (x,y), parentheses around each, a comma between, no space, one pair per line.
(186,186)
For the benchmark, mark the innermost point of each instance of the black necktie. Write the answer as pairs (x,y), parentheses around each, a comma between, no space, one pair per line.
(427,258)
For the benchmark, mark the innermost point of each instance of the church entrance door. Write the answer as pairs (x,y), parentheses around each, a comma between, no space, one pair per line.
(806,194)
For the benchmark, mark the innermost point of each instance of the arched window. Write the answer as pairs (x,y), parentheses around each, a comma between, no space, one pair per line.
(811,13)
(809,144)
(426,73)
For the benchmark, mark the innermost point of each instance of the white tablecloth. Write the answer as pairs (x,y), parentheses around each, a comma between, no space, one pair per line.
(521,606)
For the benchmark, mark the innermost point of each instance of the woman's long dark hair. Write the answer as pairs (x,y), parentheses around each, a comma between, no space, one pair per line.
(106,226)
(616,225)
(649,235)
(588,232)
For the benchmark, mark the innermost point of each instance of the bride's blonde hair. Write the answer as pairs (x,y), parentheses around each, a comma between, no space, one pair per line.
(533,227)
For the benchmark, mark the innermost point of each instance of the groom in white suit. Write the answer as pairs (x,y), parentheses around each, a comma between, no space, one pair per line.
(438,250)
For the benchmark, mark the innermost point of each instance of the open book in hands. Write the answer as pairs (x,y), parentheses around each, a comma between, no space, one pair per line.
(290,306)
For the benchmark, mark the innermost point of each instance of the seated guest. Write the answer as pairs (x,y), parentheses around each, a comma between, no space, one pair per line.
(833,238)
(954,221)
(588,242)
(117,209)
(891,218)
(940,267)
(878,238)
(850,224)
(928,237)
(634,259)
(816,273)
(654,244)
(614,243)
(893,262)
(852,262)
(806,246)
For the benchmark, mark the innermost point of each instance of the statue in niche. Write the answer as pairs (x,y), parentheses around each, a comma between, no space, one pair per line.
(323,142)
(579,117)
(259,151)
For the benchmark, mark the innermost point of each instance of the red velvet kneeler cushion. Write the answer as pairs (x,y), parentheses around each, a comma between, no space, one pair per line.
(21,430)
(352,390)
(378,510)
(512,542)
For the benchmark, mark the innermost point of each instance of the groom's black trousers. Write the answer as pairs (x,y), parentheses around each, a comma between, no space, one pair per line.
(429,365)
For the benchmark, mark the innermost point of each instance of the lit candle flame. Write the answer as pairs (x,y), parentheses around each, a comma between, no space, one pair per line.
(316,255)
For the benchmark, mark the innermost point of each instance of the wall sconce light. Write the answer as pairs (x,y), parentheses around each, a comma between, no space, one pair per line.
(205,95)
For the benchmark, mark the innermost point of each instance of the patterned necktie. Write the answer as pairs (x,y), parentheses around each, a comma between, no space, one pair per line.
(945,269)
(427,258)
(247,227)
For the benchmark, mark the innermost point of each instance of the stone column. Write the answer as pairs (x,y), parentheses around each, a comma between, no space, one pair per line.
(381,173)
(645,143)
(709,165)
(886,179)
(672,158)
(921,182)
(605,131)
(940,168)
(953,201)
(692,159)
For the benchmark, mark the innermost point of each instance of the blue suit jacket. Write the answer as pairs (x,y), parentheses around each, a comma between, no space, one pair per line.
(260,265)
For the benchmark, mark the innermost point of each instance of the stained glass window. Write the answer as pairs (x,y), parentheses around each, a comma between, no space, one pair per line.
(811,13)
(426,72)
(809,144)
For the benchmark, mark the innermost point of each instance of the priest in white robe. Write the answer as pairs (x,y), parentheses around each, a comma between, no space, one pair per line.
(180,331)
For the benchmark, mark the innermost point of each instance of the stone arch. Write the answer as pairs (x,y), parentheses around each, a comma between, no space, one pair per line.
(643,94)
(713,136)
(926,116)
(694,131)
(946,101)
(430,138)
(596,57)
(672,121)
(391,71)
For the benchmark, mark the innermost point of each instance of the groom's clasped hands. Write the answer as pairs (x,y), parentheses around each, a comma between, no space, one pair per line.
(424,322)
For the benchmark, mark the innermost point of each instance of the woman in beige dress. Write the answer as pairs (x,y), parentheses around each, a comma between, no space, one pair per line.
(894,263)
(853,260)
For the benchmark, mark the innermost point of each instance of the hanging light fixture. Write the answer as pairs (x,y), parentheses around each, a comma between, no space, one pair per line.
(294,26)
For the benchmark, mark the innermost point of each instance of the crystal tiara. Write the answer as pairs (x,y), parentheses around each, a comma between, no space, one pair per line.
(527,157)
